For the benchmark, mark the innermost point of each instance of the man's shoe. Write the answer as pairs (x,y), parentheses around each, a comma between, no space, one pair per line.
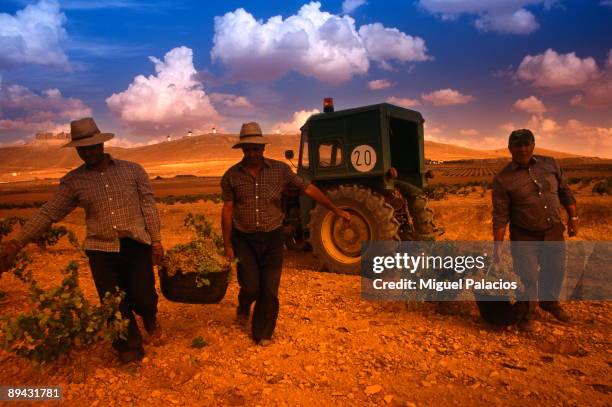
(131,355)
(526,325)
(264,342)
(556,311)
(242,319)
(155,333)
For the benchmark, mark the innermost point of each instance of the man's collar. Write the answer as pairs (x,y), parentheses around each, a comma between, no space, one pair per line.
(514,166)
(242,166)
(111,161)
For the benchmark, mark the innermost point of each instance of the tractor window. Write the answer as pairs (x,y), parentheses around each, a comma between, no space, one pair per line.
(330,154)
(304,152)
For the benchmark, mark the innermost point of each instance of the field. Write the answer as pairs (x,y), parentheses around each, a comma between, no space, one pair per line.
(463,171)
(330,347)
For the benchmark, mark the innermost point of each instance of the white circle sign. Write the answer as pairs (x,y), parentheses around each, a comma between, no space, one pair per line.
(363,158)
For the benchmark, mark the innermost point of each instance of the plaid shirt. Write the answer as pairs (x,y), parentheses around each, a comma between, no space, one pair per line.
(257,200)
(530,197)
(118,203)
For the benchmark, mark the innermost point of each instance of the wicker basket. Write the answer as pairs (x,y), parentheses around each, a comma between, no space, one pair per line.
(501,311)
(183,288)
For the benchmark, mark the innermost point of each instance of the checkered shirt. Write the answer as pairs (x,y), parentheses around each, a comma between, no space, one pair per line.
(118,203)
(257,200)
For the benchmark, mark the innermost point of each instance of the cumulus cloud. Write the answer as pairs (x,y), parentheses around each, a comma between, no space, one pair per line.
(385,44)
(469,132)
(312,42)
(544,126)
(403,102)
(297,121)
(596,93)
(506,16)
(379,84)
(573,137)
(172,100)
(24,110)
(530,105)
(348,6)
(447,97)
(230,101)
(469,138)
(555,71)
(519,22)
(33,36)
(507,127)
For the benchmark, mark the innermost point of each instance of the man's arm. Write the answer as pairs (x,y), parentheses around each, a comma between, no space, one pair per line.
(149,213)
(61,204)
(566,197)
(316,194)
(228,197)
(501,216)
(313,192)
(226,228)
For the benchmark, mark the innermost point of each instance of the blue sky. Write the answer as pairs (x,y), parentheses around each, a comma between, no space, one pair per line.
(474,69)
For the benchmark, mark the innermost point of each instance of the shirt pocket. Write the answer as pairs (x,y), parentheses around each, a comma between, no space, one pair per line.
(243,191)
(272,191)
(522,190)
(126,195)
(549,182)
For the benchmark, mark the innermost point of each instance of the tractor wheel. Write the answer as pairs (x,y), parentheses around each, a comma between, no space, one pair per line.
(423,219)
(336,243)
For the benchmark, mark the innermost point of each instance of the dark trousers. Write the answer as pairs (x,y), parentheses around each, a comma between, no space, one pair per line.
(260,262)
(530,253)
(132,271)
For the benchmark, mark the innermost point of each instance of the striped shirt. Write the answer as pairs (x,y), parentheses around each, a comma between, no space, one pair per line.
(257,200)
(118,203)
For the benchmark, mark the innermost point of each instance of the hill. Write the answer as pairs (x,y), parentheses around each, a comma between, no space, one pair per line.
(207,154)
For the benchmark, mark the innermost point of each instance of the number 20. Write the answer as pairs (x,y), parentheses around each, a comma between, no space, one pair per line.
(367,158)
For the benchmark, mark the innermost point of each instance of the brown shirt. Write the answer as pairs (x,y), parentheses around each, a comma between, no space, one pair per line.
(530,197)
(257,200)
(118,202)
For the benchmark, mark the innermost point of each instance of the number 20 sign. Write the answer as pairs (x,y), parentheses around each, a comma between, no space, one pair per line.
(363,158)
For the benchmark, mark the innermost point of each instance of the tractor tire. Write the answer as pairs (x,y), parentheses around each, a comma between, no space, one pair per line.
(422,219)
(337,244)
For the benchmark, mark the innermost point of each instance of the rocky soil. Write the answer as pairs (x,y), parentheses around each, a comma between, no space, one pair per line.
(330,348)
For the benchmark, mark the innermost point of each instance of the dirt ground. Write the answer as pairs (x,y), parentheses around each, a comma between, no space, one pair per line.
(330,347)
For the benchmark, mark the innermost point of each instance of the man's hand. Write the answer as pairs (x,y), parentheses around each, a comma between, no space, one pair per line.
(8,255)
(572,227)
(343,214)
(158,252)
(229,252)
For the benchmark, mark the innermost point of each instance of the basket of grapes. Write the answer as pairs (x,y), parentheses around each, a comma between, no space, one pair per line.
(196,272)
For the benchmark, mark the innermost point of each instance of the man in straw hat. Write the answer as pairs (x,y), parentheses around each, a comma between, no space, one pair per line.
(528,194)
(251,220)
(123,229)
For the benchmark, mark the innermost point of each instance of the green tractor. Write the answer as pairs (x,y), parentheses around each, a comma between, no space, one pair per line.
(370,162)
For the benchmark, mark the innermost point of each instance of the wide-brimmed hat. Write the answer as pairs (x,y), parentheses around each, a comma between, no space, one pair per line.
(250,133)
(85,132)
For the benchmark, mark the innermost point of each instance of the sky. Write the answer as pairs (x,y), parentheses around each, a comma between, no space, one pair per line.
(145,70)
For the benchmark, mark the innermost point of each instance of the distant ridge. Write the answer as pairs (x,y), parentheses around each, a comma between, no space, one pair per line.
(209,147)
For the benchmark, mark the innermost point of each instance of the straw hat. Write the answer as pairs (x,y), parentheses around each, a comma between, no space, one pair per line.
(85,132)
(250,133)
